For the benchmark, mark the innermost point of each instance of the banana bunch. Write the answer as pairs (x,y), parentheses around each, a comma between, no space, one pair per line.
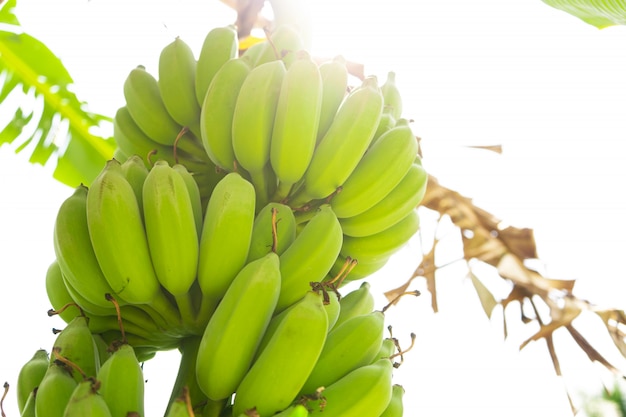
(315,357)
(82,376)
(246,190)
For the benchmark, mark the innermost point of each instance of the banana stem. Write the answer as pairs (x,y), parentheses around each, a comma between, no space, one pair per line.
(282,191)
(186,309)
(207,307)
(162,305)
(186,376)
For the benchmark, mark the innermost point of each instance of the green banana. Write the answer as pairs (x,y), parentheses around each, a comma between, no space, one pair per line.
(282,44)
(177,84)
(368,184)
(334,88)
(225,239)
(172,234)
(74,251)
(235,330)
(395,408)
(86,401)
(75,343)
(146,107)
(194,195)
(343,145)
(122,383)
(383,244)
(355,303)
(54,391)
(216,116)
(349,346)
(310,257)
(391,95)
(102,346)
(220,45)
(387,349)
(253,120)
(30,376)
(286,361)
(395,206)
(118,237)
(262,241)
(57,292)
(296,122)
(135,172)
(364,392)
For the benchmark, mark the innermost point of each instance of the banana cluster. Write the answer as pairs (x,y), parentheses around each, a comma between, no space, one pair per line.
(82,376)
(246,190)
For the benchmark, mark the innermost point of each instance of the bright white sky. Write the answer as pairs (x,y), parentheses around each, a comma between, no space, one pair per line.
(546,86)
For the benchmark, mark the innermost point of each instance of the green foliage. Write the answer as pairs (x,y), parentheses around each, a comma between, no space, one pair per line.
(48,119)
(599,13)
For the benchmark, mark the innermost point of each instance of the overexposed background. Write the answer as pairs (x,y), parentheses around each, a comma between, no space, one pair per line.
(546,86)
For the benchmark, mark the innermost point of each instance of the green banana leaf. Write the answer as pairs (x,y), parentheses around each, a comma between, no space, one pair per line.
(599,13)
(48,121)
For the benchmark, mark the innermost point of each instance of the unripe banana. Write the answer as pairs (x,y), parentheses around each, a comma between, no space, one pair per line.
(76,344)
(177,84)
(381,245)
(387,349)
(122,383)
(120,155)
(135,172)
(262,241)
(351,345)
(145,105)
(170,228)
(118,237)
(282,44)
(369,183)
(287,359)
(57,292)
(391,95)
(334,88)
(310,257)
(226,235)
(235,330)
(253,120)
(220,45)
(216,117)
(355,303)
(364,392)
(74,251)
(395,408)
(296,122)
(103,348)
(54,391)
(343,145)
(194,195)
(30,376)
(86,401)
(392,208)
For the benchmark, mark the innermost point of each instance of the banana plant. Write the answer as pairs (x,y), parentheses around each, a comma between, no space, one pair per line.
(39,114)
